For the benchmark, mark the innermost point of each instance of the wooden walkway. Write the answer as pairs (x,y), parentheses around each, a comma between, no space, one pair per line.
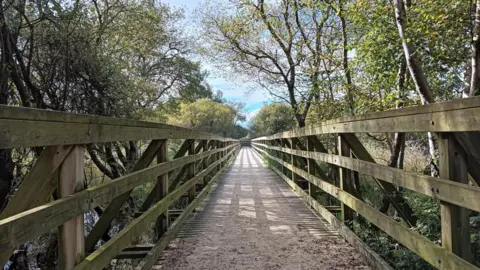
(254,221)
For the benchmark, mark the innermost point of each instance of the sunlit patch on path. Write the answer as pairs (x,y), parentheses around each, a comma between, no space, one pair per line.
(254,221)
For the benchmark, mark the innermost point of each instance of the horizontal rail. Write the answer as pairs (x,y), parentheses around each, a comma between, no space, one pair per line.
(108,251)
(22,227)
(26,127)
(452,116)
(426,249)
(464,103)
(446,190)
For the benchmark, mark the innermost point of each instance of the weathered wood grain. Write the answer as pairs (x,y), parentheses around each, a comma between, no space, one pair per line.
(440,121)
(37,186)
(23,133)
(191,173)
(452,161)
(71,245)
(458,104)
(346,180)
(161,191)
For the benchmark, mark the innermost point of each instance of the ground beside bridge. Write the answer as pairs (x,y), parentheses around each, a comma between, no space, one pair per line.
(254,221)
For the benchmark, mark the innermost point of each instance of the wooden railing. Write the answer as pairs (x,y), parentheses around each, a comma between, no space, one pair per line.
(456,123)
(61,139)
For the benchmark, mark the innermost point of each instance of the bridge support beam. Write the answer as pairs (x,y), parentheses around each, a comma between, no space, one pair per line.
(71,244)
(455,219)
(389,190)
(103,223)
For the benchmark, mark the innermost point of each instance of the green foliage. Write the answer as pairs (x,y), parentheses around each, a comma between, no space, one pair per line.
(271,119)
(209,116)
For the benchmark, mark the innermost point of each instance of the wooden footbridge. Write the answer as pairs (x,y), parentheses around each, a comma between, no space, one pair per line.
(255,217)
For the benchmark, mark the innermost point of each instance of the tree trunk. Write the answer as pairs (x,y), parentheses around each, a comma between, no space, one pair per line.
(398,145)
(6,162)
(300,119)
(346,69)
(399,138)
(475,70)
(416,71)
(414,63)
(6,176)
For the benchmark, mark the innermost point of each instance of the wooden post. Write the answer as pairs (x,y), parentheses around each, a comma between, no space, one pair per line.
(191,173)
(204,164)
(283,157)
(455,219)
(345,179)
(162,190)
(218,156)
(312,189)
(293,160)
(224,152)
(71,240)
(225,144)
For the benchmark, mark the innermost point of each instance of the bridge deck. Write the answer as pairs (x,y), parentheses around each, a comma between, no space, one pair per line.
(254,221)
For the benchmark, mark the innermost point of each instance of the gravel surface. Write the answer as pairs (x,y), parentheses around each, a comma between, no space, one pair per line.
(254,221)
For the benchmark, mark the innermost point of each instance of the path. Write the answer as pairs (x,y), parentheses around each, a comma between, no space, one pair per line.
(254,221)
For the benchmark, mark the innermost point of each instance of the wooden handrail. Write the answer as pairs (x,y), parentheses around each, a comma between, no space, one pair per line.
(452,116)
(446,190)
(465,103)
(25,127)
(24,226)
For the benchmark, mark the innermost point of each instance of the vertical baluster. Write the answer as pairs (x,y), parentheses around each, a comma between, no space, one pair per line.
(204,164)
(71,248)
(191,172)
(162,190)
(293,160)
(455,219)
(283,157)
(345,179)
(312,189)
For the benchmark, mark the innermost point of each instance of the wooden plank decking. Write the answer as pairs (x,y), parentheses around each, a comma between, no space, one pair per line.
(254,221)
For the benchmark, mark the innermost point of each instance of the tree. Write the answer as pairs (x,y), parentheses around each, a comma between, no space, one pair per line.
(208,116)
(111,57)
(260,41)
(271,119)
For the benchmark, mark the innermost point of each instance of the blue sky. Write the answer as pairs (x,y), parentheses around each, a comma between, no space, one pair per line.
(253,97)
